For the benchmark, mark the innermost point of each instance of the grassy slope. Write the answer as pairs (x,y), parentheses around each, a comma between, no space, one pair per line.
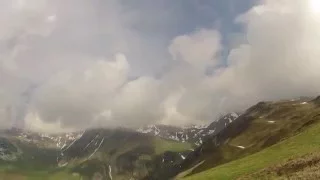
(305,142)
(162,145)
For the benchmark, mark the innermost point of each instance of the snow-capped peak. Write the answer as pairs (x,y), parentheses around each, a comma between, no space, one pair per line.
(149,129)
(192,133)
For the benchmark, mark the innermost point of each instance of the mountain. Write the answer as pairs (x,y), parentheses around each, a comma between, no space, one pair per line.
(265,134)
(129,154)
(102,153)
(194,134)
(234,146)
(96,153)
(41,139)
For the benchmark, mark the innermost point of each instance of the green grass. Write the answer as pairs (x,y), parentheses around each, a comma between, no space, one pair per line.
(162,145)
(306,142)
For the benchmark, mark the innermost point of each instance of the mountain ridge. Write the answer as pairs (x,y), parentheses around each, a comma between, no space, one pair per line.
(194,134)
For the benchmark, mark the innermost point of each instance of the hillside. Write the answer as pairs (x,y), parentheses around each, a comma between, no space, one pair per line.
(301,144)
(294,124)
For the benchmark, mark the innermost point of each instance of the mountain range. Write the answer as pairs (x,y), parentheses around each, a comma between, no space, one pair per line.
(161,152)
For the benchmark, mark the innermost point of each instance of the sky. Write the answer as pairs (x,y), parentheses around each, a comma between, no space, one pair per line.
(77,64)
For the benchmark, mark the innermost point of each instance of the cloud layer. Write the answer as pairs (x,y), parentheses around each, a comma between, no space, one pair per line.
(67,70)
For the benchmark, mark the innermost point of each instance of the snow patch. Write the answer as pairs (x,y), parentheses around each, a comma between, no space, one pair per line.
(241,147)
(77,138)
(149,129)
(211,131)
(91,141)
(176,138)
(96,149)
(234,115)
(64,145)
(110,172)
(182,157)
(63,165)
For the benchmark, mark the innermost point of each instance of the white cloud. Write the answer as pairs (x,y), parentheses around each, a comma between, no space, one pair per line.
(21,18)
(198,49)
(51,18)
(77,89)
(137,103)
(279,60)
(75,98)
(34,123)
(171,115)
(5,117)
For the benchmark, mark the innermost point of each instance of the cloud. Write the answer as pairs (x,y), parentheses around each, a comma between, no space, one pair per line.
(23,18)
(137,103)
(97,68)
(199,49)
(171,114)
(35,123)
(281,57)
(75,98)
(51,18)
(279,60)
